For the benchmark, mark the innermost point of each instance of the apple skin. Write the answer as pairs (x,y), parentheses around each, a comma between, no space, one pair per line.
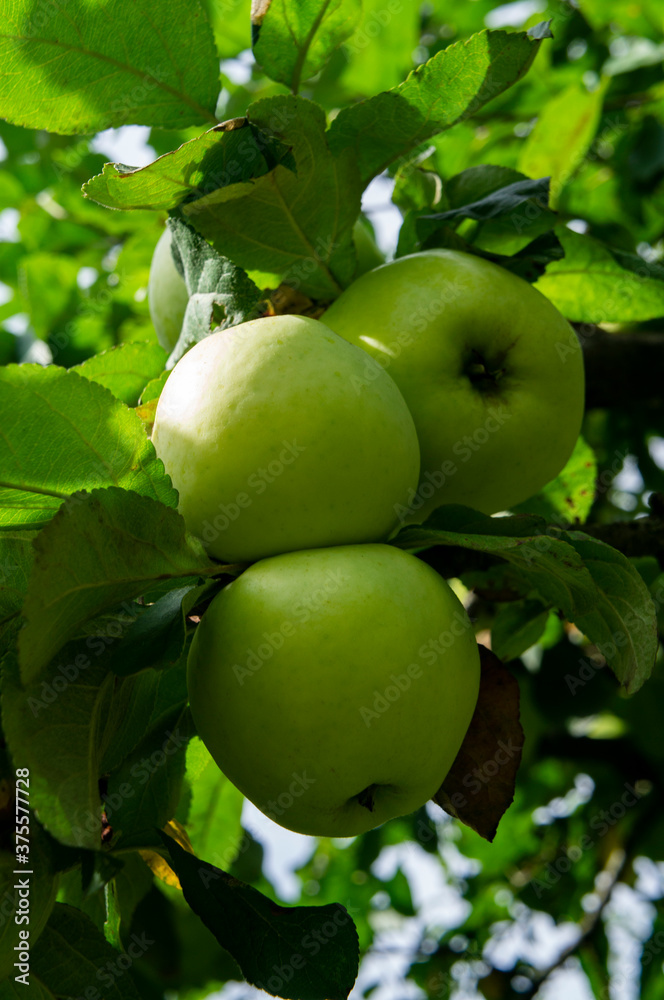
(316,676)
(167,294)
(488,443)
(278,437)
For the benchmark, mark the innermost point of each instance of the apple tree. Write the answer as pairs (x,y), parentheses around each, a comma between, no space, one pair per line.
(289,149)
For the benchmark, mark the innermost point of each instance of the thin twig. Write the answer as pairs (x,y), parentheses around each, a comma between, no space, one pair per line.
(610,875)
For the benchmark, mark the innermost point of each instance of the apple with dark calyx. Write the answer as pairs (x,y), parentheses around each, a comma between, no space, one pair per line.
(167,294)
(491,371)
(334,687)
(278,437)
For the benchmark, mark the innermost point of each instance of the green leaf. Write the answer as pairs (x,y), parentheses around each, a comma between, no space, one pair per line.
(623,623)
(72,955)
(157,636)
(125,370)
(100,549)
(214,813)
(88,895)
(58,728)
(528,262)
(562,135)
(295,223)
(453,85)
(594,586)
(416,188)
(510,217)
(142,794)
(299,953)
(569,497)
(226,154)
(501,201)
(153,389)
(123,894)
(293,39)
(150,698)
(85,69)
(517,627)
(477,183)
(221,294)
(16,558)
(62,433)
(593,284)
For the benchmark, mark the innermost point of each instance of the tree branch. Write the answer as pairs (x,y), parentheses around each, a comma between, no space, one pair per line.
(643,537)
(609,877)
(622,368)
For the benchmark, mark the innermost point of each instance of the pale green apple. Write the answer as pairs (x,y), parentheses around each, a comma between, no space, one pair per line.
(491,371)
(278,436)
(368,254)
(334,686)
(167,294)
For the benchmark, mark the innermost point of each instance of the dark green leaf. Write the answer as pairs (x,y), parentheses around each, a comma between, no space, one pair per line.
(605,597)
(58,727)
(477,183)
(502,201)
(509,218)
(517,627)
(157,636)
(16,558)
(149,698)
(142,794)
(623,624)
(72,956)
(100,549)
(299,953)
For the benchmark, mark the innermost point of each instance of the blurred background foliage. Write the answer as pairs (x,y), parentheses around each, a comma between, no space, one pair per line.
(570,894)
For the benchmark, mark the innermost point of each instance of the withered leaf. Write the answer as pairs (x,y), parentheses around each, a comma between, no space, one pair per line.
(480,784)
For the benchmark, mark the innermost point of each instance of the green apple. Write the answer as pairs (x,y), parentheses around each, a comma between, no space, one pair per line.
(277,437)
(167,294)
(491,371)
(334,686)
(368,254)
